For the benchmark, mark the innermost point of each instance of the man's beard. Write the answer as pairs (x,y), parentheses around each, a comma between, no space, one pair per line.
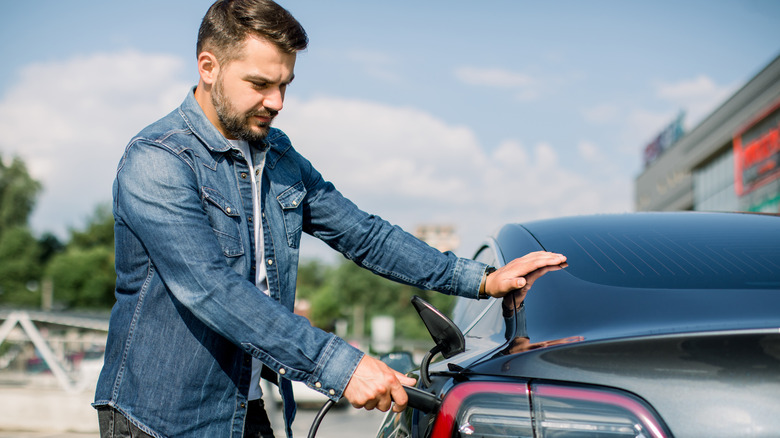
(236,124)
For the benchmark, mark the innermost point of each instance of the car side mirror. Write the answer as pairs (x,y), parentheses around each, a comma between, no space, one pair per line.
(448,338)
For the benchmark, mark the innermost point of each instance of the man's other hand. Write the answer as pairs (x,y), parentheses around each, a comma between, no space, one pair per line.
(511,276)
(376,385)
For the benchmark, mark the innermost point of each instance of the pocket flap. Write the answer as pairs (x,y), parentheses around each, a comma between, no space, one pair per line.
(292,197)
(219,201)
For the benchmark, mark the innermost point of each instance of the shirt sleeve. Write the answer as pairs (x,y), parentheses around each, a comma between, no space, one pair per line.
(157,196)
(381,247)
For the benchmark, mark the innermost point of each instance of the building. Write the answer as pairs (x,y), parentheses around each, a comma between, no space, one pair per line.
(729,162)
(440,236)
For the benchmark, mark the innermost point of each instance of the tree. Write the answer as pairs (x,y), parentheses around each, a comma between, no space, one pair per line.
(311,278)
(347,291)
(99,231)
(20,269)
(20,266)
(83,274)
(18,191)
(50,246)
(83,278)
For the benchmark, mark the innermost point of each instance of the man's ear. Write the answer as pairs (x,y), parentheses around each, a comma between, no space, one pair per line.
(208,67)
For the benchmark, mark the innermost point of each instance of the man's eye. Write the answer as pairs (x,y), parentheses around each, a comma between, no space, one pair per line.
(259,85)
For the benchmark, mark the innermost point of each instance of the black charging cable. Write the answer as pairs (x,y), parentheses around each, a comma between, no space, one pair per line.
(418,399)
(318,419)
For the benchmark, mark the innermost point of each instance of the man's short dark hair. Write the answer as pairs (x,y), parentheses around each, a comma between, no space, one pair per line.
(228,23)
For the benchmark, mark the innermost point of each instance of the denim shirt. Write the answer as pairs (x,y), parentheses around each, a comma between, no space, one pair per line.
(188,317)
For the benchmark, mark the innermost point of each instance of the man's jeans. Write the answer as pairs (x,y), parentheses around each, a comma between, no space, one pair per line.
(114,425)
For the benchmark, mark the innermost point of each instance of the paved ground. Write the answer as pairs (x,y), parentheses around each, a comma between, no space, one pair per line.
(13,434)
(41,409)
(338,423)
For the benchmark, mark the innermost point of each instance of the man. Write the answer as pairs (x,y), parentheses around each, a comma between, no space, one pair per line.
(210,203)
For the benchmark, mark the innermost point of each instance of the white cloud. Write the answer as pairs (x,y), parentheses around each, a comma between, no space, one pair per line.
(70,121)
(589,151)
(411,167)
(524,87)
(371,148)
(698,96)
(601,114)
(637,126)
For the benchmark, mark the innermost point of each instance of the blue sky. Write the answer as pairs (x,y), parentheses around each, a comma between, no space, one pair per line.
(465,113)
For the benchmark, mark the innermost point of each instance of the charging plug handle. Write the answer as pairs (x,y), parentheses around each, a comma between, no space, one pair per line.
(422,400)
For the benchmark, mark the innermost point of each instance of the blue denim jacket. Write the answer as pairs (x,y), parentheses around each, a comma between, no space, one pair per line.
(188,317)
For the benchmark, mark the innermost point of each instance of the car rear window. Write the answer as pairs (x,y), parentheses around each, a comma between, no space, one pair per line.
(669,251)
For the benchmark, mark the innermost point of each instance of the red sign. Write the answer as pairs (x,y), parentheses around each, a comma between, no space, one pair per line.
(757,159)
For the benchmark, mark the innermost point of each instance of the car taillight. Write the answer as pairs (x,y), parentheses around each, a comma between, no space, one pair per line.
(495,409)
(485,409)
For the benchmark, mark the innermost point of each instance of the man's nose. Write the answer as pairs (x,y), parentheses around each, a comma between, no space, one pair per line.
(274,100)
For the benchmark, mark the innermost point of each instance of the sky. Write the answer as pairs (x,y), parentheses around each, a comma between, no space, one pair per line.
(470,114)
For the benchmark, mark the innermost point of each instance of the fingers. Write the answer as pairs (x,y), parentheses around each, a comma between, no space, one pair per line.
(530,278)
(535,260)
(511,276)
(374,385)
(399,397)
(405,380)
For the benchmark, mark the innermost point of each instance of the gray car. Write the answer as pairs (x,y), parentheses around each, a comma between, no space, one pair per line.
(659,325)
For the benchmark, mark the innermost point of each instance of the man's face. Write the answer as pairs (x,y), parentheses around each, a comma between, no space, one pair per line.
(249,91)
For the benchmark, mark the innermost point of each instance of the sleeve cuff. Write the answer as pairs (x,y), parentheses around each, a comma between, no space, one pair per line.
(336,367)
(468,277)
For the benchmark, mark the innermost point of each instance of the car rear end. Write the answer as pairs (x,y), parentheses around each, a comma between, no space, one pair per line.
(662,325)
(713,384)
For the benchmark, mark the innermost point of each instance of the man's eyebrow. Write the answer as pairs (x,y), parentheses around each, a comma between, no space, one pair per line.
(263,79)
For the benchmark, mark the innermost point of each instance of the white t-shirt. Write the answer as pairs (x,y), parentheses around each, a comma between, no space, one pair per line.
(256,162)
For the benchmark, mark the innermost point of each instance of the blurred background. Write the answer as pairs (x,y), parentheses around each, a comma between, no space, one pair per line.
(448,118)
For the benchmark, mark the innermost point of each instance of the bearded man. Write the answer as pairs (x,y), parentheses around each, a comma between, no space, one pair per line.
(210,203)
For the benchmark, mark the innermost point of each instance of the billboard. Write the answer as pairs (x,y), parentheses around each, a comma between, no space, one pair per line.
(664,140)
(757,151)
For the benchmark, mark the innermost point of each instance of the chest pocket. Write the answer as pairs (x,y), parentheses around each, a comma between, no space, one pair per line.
(225,219)
(291,201)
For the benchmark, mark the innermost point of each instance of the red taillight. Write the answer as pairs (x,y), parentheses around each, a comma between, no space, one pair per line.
(482,409)
(477,401)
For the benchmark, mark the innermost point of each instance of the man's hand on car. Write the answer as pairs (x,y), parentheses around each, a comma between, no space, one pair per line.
(511,276)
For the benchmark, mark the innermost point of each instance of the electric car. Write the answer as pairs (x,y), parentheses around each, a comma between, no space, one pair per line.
(658,325)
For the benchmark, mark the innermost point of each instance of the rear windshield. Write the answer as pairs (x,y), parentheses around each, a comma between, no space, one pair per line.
(668,251)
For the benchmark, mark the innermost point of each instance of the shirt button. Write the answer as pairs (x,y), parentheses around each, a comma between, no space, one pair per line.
(318,385)
(243,405)
(282,371)
(257,171)
(295,203)
(249,218)
(332,392)
(243,175)
(270,262)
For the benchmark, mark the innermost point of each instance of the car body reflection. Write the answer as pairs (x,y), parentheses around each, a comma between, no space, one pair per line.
(660,325)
